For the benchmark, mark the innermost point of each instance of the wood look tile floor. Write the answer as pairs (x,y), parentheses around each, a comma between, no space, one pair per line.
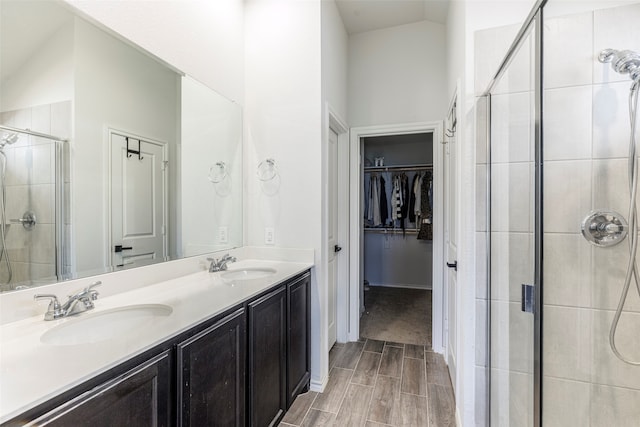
(377,383)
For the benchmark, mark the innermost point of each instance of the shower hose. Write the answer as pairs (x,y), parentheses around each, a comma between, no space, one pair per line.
(632,267)
(3,216)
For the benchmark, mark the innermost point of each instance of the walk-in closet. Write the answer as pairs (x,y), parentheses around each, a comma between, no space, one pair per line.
(397,226)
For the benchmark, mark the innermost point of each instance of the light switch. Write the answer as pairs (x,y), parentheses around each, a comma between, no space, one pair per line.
(223,235)
(269,236)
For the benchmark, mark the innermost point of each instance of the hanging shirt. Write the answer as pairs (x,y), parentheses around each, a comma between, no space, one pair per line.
(375,201)
(384,213)
(412,199)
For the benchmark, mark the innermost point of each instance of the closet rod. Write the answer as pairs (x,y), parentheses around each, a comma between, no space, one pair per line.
(390,230)
(398,168)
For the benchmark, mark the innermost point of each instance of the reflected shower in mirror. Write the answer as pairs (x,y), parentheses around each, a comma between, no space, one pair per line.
(123,179)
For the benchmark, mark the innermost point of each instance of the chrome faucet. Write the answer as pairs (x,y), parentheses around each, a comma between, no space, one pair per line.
(220,264)
(77,303)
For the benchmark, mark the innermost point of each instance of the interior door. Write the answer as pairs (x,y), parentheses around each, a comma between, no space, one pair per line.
(333,246)
(451,245)
(137,202)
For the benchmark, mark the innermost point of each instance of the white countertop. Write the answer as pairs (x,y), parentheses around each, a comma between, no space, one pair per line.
(32,372)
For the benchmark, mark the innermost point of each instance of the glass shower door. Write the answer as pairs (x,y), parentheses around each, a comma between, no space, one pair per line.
(512,242)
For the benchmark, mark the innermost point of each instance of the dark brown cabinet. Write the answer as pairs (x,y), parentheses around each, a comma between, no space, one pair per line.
(140,397)
(211,374)
(243,367)
(268,358)
(299,339)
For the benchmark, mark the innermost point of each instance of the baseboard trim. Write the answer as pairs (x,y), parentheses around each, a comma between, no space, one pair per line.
(400,285)
(318,386)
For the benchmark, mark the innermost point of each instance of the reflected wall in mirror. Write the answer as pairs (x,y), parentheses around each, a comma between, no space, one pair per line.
(109,150)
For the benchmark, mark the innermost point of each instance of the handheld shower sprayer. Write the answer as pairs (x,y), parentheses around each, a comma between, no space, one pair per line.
(628,62)
(8,139)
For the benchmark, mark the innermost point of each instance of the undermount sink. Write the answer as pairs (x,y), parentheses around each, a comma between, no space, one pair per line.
(247,274)
(105,325)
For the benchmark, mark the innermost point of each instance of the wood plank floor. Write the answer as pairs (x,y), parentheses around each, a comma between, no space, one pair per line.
(377,383)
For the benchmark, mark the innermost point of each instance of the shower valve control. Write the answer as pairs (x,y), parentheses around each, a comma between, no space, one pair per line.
(604,228)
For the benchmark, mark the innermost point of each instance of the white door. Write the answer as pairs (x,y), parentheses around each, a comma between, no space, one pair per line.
(137,202)
(332,241)
(451,251)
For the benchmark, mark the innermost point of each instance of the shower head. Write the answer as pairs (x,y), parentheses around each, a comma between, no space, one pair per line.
(623,62)
(8,139)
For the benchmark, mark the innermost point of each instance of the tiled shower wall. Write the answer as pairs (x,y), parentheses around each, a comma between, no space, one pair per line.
(586,135)
(30,185)
(586,140)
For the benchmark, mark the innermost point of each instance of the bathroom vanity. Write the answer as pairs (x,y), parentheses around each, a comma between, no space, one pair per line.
(228,348)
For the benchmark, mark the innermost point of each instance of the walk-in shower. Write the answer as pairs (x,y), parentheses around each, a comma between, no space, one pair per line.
(31,202)
(623,62)
(562,171)
(7,139)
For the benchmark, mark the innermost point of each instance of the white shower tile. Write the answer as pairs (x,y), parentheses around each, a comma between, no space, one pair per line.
(608,369)
(19,163)
(481,198)
(42,272)
(511,121)
(512,334)
(481,332)
(482,399)
(511,207)
(614,28)
(41,119)
(611,128)
(482,123)
(61,119)
(567,342)
(567,273)
(610,186)
(511,399)
(43,243)
(490,45)
(43,170)
(512,260)
(42,202)
(565,402)
(568,58)
(518,76)
(18,242)
(17,201)
(614,406)
(609,270)
(567,193)
(567,123)
(481,265)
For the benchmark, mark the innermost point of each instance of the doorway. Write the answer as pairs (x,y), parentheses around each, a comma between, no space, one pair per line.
(388,237)
(138,201)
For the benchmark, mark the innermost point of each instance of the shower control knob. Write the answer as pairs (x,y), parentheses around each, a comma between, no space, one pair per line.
(604,228)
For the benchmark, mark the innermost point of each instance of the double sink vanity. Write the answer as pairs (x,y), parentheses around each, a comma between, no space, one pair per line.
(205,348)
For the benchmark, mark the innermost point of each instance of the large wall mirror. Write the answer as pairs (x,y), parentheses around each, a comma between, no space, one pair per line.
(109,158)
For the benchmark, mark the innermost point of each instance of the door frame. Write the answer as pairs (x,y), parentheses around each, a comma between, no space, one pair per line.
(165,188)
(356,234)
(338,125)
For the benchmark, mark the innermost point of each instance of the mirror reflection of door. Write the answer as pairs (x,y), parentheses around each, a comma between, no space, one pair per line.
(138,201)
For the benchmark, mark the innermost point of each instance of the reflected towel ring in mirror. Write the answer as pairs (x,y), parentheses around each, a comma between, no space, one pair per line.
(218,172)
(267,170)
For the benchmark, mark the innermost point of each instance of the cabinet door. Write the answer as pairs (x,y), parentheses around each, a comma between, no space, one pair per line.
(267,358)
(140,397)
(299,304)
(211,375)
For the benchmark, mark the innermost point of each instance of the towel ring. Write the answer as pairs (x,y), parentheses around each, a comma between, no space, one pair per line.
(267,170)
(218,172)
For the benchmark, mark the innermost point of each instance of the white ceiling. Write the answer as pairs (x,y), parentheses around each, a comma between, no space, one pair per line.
(367,15)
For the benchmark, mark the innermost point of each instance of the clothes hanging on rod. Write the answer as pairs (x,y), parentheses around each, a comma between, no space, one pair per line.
(426,226)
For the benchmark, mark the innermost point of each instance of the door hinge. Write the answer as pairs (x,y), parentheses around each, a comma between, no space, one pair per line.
(528,302)
(163,230)
(165,164)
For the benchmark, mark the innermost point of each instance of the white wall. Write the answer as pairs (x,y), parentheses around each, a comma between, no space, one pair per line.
(137,95)
(283,117)
(335,60)
(465,17)
(211,130)
(396,75)
(45,78)
(202,38)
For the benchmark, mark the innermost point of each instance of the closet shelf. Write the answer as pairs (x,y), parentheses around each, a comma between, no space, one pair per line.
(398,168)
